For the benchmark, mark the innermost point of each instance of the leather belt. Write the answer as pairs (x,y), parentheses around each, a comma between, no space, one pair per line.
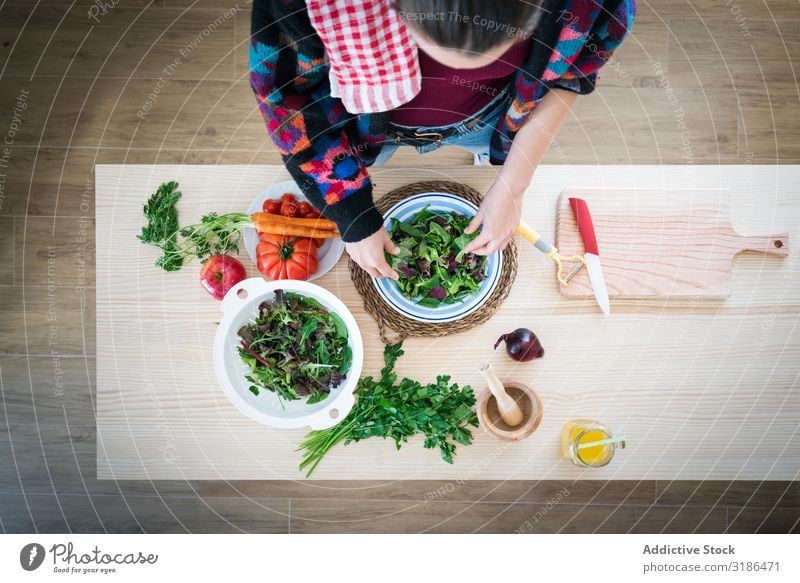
(411,137)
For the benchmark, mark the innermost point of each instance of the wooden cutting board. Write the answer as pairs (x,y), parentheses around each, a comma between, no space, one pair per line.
(659,243)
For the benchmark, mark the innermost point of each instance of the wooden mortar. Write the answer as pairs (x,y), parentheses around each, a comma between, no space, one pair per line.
(489,416)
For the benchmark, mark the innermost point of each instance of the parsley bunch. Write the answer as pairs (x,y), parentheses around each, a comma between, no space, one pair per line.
(213,235)
(162,223)
(385,408)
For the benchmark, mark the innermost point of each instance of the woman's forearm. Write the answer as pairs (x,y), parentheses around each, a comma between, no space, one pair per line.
(534,138)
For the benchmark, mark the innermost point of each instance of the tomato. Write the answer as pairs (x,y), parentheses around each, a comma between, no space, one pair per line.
(287,197)
(313,214)
(319,243)
(304,208)
(271,206)
(282,257)
(289,209)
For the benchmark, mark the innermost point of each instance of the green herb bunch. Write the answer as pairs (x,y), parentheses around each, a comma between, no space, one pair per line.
(398,410)
(162,223)
(213,235)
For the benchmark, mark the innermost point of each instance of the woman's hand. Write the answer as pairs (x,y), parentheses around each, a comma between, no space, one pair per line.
(368,253)
(499,214)
(502,207)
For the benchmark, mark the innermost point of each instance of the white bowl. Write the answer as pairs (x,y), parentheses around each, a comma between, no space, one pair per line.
(327,255)
(240,306)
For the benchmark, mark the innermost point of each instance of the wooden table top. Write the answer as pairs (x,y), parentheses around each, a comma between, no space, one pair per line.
(704,389)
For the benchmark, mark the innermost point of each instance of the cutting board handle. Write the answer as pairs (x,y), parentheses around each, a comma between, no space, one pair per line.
(777,245)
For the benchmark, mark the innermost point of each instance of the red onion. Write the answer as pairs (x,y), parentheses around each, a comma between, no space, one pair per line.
(521,345)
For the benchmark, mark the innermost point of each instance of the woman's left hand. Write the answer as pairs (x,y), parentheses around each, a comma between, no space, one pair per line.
(499,214)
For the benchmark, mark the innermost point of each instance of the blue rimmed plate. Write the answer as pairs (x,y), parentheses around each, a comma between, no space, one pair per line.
(405,211)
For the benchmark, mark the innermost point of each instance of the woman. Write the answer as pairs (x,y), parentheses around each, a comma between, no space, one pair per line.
(343,83)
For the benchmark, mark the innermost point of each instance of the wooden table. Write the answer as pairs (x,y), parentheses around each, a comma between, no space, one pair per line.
(704,389)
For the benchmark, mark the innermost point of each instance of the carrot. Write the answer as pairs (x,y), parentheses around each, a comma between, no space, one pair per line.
(276,228)
(321,224)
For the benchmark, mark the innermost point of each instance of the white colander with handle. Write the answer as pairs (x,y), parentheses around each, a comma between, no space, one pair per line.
(240,306)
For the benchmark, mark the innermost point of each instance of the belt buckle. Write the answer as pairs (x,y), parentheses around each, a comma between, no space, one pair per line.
(429,135)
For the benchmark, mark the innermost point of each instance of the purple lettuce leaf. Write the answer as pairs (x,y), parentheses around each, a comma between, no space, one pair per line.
(437,292)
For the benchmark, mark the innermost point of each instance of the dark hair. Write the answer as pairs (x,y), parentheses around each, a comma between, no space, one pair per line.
(471,25)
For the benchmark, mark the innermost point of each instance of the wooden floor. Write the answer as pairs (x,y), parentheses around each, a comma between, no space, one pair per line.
(706,82)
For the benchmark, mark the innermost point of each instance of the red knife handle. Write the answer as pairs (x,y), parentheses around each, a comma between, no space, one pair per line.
(585,225)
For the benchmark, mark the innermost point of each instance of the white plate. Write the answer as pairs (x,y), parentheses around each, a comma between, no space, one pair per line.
(387,288)
(327,255)
(267,407)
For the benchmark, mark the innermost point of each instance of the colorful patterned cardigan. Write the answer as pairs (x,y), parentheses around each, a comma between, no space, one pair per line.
(327,150)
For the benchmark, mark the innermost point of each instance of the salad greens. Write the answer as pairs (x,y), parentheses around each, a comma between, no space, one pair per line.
(432,265)
(214,235)
(295,348)
(398,410)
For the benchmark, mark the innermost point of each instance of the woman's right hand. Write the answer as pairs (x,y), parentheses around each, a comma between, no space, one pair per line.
(368,253)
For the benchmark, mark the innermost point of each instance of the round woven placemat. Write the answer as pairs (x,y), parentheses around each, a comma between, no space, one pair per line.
(389,319)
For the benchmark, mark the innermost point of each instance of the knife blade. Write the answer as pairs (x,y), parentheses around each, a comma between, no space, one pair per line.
(591,253)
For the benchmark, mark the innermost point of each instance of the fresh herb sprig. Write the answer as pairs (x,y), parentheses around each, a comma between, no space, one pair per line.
(295,348)
(162,225)
(214,234)
(385,408)
(432,264)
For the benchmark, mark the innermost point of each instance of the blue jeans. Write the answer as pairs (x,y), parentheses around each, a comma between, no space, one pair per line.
(475,139)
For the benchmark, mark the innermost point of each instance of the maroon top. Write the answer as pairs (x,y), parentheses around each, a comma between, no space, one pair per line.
(450,95)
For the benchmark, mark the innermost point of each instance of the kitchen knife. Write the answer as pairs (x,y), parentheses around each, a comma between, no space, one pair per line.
(591,252)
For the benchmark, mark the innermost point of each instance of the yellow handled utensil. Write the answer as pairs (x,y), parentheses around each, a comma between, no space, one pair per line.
(545,247)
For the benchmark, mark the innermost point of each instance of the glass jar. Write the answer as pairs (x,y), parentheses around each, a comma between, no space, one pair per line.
(583,431)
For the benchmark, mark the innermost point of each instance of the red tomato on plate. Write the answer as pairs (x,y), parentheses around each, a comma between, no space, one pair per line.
(289,208)
(271,206)
(280,257)
(304,208)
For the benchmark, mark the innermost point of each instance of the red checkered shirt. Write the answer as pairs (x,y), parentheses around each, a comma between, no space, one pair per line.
(372,57)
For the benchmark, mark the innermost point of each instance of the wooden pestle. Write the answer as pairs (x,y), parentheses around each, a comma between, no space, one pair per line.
(506,406)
